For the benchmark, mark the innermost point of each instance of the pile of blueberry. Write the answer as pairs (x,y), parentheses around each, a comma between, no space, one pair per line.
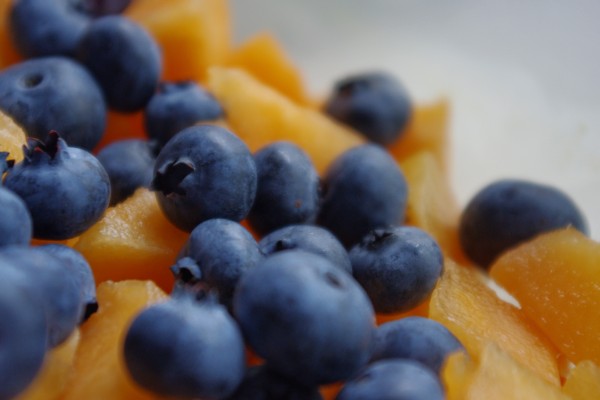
(333,250)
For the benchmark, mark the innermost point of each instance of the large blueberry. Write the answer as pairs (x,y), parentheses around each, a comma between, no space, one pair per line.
(124,59)
(66,189)
(204,172)
(307,318)
(54,93)
(288,188)
(398,267)
(184,349)
(363,189)
(129,164)
(176,106)
(508,212)
(16,226)
(375,104)
(310,238)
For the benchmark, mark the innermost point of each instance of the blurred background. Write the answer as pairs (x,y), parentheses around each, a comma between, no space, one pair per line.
(522,76)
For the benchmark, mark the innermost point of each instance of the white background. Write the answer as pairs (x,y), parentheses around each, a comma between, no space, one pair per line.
(523,76)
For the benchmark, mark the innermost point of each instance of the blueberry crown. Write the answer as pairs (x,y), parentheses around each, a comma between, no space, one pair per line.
(37,151)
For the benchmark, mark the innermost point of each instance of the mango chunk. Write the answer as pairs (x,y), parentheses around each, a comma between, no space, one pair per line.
(475,315)
(12,138)
(259,115)
(100,372)
(583,382)
(556,279)
(192,34)
(495,375)
(8,52)
(133,240)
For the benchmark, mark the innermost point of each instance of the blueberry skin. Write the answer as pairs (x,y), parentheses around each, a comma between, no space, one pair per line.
(23,332)
(124,59)
(508,212)
(223,250)
(47,27)
(176,106)
(204,172)
(310,321)
(184,349)
(16,226)
(288,188)
(415,338)
(393,380)
(59,290)
(129,165)
(310,238)
(54,93)
(363,189)
(375,104)
(262,383)
(80,269)
(398,267)
(66,189)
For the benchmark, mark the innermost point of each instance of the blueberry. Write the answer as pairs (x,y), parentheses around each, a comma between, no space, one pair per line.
(310,321)
(80,269)
(312,239)
(375,104)
(59,290)
(182,348)
(66,189)
(508,212)
(364,189)
(204,172)
(16,226)
(129,164)
(47,27)
(176,106)
(223,250)
(262,383)
(22,332)
(124,59)
(54,93)
(288,188)
(397,267)
(415,338)
(393,380)
(101,7)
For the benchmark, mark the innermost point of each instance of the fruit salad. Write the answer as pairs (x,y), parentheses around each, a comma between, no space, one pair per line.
(181,218)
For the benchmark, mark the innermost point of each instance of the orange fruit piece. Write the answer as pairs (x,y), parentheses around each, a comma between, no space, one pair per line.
(556,279)
(475,315)
(12,138)
(8,52)
(583,382)
(100,372)
(192,34)
(121,126)
(133,240)
(494,375)
(55,373)
(259,115)
(265,59)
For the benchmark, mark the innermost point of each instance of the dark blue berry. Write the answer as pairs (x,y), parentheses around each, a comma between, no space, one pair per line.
(415,338)
(262,383)
(124,59)
(66,189)
(176,106)
(80,269)
(223,250)
(54,93)
(397,267)
(204,172)
(129,165)
(288,188)
(312,239)
(375,104)
(185,349)
(16,226)
(394,380)
(101,7)
(308,319)
(508,212)
(364,189)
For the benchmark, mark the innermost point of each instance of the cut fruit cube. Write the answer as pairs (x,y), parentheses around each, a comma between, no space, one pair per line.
(12,138)
(8,52)
(583,382)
